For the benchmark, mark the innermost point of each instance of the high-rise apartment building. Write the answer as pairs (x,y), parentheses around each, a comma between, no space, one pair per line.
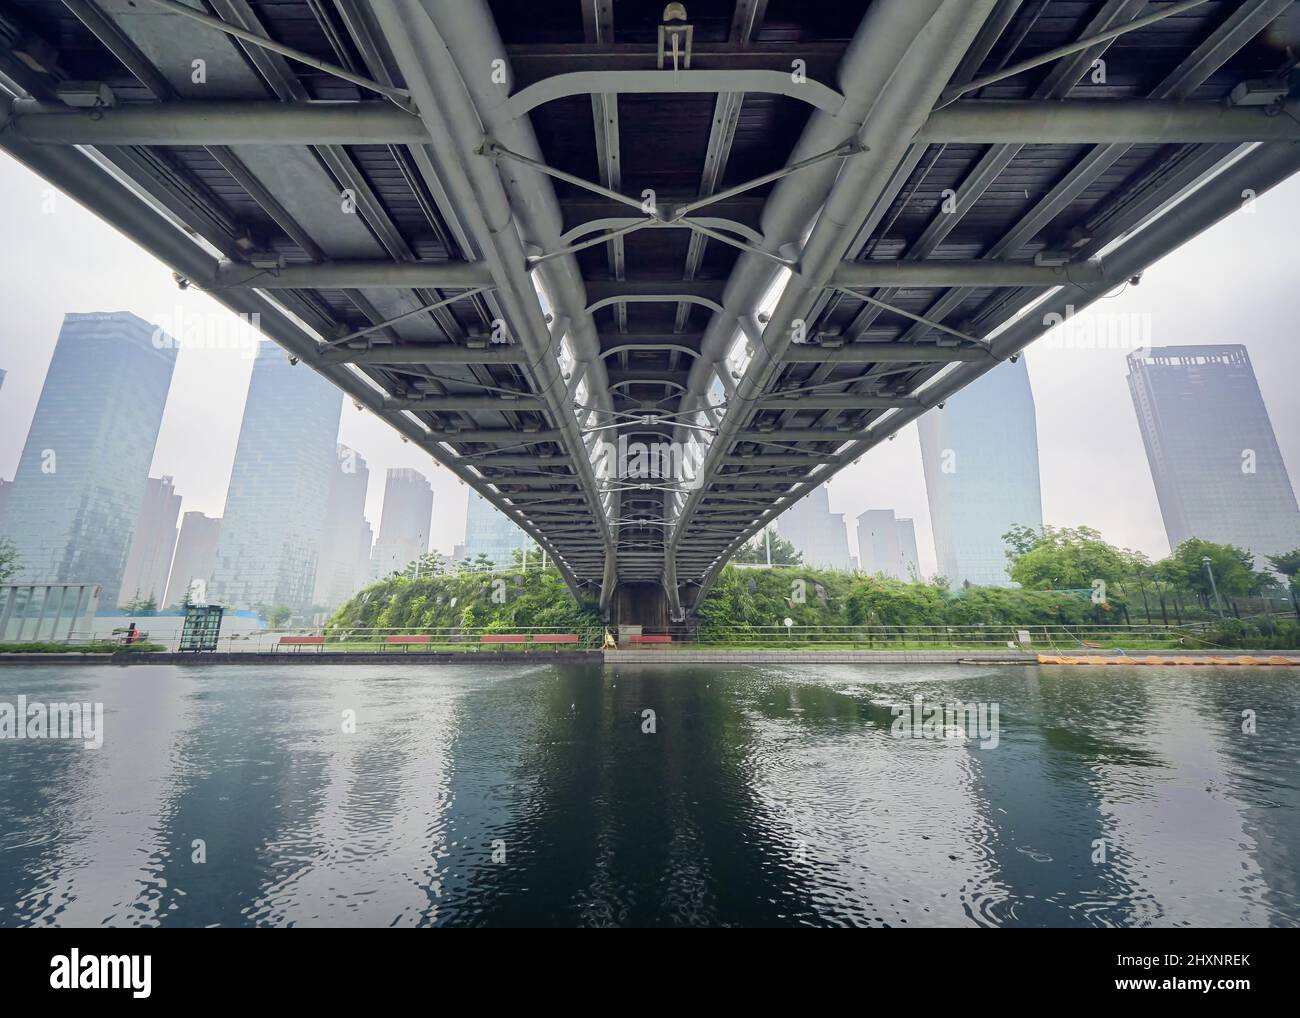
(817,533)
(279,487)
(980,455)
(196,554)
(489,532)
(76,495)
(343,541)
(1215,461)
(405,523)
(887,544)
(149,561)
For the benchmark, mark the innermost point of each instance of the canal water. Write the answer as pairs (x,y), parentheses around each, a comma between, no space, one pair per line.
(747,796)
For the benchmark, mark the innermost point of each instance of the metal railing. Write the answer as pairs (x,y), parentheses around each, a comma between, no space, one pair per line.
(381,640)
(957,637)
(372,639)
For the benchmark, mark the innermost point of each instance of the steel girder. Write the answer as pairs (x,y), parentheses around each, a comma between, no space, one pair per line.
(366,122)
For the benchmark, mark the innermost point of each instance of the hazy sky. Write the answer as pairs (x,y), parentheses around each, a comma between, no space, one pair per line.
(1237,283)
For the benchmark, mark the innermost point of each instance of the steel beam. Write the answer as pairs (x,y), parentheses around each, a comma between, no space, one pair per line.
(450,404)
(981,121)
(916,274)
(1130,121)
(498,436)
(848,401)
(882,353)
(214,123)
(800,435)
(343,275)
(442,354)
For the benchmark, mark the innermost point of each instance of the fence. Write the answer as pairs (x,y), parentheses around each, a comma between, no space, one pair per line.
(496,640)
(360,639)
(988,637)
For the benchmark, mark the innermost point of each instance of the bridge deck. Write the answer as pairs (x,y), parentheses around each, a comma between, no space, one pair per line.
(532,236)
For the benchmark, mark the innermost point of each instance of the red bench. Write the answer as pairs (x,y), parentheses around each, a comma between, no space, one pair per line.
(649,639)
(503,638)
(558,639)
(407,639)
(301,641)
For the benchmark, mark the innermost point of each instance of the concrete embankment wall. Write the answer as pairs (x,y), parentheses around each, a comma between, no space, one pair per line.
(311,658)
(664,656)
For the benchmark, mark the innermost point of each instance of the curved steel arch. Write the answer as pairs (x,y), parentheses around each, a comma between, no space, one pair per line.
(654,298)
(629,347)
(621,222)
(561,86)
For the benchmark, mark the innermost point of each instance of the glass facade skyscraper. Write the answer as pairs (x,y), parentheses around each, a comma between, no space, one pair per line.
(887,544)
(1215,461)
(488,531)
(980,455)
(279,487)
(150,558)
(77,493)
(816,532)
(196,554)
(344,564)
(404,526)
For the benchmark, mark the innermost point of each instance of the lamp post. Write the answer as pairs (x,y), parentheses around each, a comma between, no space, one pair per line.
(1213,588)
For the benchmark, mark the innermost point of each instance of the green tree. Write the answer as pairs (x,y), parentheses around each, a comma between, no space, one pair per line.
(884,601)
(1063,558)
(1288,564)
(1234,572)
(783,552)
(278,616)
(8,559)
(429,564)
(139,604)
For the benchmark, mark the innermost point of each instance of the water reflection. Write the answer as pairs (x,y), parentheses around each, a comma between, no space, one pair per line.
(776,795)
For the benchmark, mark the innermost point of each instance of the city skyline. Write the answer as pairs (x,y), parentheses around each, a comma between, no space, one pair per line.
(820,535)
(75,501)
(1176,299)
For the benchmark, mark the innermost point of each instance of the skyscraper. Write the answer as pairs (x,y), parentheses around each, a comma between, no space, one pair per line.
(150,559)
(405,523)
(77,493)
(279,487)
(488,531)
(338,573)
(817,533)
(1215,461)
(4,485)
(887,544)
(196,554)
(980,455)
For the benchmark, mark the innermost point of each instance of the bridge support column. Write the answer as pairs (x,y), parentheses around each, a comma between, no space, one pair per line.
(641,604)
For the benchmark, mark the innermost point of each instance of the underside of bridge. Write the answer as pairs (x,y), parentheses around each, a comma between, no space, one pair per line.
(645,275)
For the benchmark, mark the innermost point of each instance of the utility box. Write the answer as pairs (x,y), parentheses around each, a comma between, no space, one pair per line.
(202,627)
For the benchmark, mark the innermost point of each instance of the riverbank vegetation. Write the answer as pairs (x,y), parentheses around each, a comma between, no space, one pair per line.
(93,647)
(479,599)
(1069,577)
